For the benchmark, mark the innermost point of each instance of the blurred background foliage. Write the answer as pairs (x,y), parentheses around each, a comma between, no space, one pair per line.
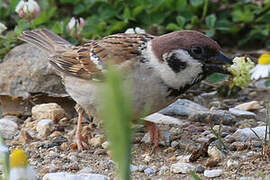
(242,23)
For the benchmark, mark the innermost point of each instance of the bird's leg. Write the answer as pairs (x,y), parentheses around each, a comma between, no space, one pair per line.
(154,133)
(80,140)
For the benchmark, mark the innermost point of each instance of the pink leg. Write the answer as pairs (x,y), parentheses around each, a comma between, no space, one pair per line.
(154,133)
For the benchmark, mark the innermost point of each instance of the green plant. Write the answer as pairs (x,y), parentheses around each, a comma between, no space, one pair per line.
(116,111)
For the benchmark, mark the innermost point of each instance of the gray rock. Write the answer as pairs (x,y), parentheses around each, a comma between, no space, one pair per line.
(141,167)
(150,171)
(34,70)
(242,113)
(70,176)
(232,163)
(215,153)
(196,112)
(34,81)
(213,173)
(183,107)
(86,170)
(8,128)
(214,116)
(159,118)
(246,133)
(199,169)
(182,168)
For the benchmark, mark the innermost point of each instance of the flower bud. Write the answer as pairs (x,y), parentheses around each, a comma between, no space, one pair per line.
(75,26)
(2,28)
(28,9)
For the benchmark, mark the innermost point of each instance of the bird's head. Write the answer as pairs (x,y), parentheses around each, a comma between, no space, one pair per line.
(188,55)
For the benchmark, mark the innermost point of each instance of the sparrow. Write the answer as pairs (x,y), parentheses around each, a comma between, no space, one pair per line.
(160,68)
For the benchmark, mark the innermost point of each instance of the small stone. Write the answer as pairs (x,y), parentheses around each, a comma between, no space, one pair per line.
(211,162)
(240,146)
(202,140)
(69,176)
(86,170)
(147,157)
(163,170)
(232,163)
(257,144)
(141,168)
(215,153)
(8,128)
(44,127)
(183,158)
(174,144)
(199,169)
(213,173)
(150,171)
(96,141)
(25,137)
(133,168)
(105,145)
(182,167)
(242,113)
(249,106)
(48,111)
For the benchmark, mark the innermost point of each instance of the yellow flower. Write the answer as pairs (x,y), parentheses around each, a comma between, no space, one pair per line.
(19,166)
(262,69)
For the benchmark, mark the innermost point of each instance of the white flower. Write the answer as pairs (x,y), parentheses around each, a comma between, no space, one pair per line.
(28,9)
(2,28)
(137,30)
(262,69)
(71,24)
(22,173)
(19,166)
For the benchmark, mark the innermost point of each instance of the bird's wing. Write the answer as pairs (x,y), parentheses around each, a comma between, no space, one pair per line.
(89,61)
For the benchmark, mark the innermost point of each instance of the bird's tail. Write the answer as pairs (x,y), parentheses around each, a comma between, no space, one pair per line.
(46,40)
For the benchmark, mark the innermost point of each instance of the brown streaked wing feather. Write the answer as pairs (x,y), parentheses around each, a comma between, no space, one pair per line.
(120,47)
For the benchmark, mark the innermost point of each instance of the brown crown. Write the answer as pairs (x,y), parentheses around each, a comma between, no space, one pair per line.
(181,40)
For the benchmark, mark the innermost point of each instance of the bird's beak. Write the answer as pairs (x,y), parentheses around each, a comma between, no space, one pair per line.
(222,59)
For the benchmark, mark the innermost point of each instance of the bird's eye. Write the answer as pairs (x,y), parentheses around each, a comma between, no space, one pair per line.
(197,50)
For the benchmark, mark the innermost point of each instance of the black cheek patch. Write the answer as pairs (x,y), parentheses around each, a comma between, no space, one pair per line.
(176,64)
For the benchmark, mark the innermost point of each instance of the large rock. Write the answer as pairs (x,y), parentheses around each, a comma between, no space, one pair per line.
(26,77)
(196,112)
(8,128)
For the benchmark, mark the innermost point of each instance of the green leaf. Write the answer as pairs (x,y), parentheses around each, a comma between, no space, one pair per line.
(181,21)
(216,78)
(44,17)
(173,27)
(210,20)
(181,4)
(243,14)
(58,27)
(116,111)
(127,14)
(196,3)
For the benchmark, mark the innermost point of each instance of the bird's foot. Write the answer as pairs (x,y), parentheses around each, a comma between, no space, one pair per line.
(81,143)
(155,134)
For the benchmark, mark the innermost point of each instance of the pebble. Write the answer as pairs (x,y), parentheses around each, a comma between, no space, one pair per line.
(44,127)
(213,173)
(199,169)
(133,168)
(239,146)
(242,113)
(182,168)
(141,167)
(249,106)
(105,145)
(147,157)
(183,158)
(8,128)
(257,144)
(246,133)
(232,163)
(215,153)
(48,111)
(96,141)
(86,170)
(150,171)
(175,144)
(69,176)
(163,170)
